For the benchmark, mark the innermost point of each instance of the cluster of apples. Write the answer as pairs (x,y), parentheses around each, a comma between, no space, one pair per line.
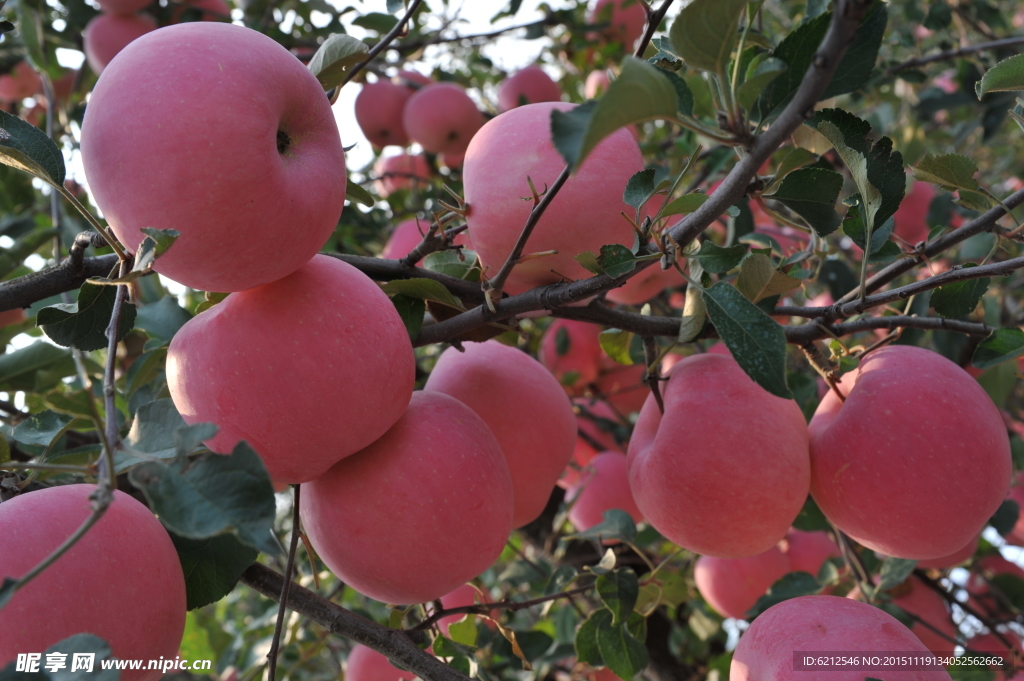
(122,21)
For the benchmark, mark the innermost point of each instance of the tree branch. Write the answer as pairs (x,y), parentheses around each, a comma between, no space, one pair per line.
(395,644)
(51,281)
(953,54)
(384,42)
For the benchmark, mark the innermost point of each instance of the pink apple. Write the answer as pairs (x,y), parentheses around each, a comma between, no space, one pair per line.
(412,78)
(379,109)
(307,370)
(732,585)
(122,581)
(956,558)
(584,216)
(819,624)
(627,20)
(571,351)
(603,485)
(408,235)
(453,161)
(22,81)
(442,118)
(254,179)
(107,34)
(596,425)
(623,387)
(529,86)
(422,510)
(366,664)
(916,599)
(912,216)
(403,171)
(525,408)
(596,84)
(808,551)
(726,470)
(914,427)
(645,286)
(460,597)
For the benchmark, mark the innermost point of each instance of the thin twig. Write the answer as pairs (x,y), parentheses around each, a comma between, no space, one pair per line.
(953,54)
(384,42)
(486,608)
(275,642)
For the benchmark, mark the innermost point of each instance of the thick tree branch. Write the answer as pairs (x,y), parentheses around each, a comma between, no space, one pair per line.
(387,270)
(51,281)
(336,619)
(953,54)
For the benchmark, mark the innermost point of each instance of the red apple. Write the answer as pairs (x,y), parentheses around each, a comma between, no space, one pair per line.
(379,109)
(623,387)
(915,598)
(571,351)
(403,171)
(603,485)
(122,581)
(107,34)
(808,551)
(726,470)
(366,664)
(529,86)
(308,370)
(22,81)
(960,556)
(914,427)
(732,585)
(912,216)
(596,84)
(422,510)
(627,20)
(442,118)
(254,178)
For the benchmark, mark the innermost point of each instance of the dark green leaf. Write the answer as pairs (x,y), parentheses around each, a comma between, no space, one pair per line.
(812,193)
(1006,76)
(156,433)
(687,203)
(757,342)
(666,57)
(615,260)
(426,289)
(810,518)
(617,524)
(838,276)
(211,495)
(998,346)
(26,147)
(353,192)
(621,651)
(639,188)
(705,33)
(894,571)
(13,257)
(618,590)
(34,365)
(718,260)
(959,298)
(42,428)
(83,325)
(337,55)
(163,318)
(448,262)
(411,310)
(395,5)
(376,21)
(212,566)
(761,72)
(1005,517)
(156,243)
(792,585)
(587,650)
(939,15)
(683,93)
(562,577)
(640,93)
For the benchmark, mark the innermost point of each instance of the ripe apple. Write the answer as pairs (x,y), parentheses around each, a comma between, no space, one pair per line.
(413,80)
(596,84)
(379,108)
(821,624)
(8,317)
(732,585)
(106,35)
(523,405)
(422,510)
(603,485)
(808,551)
(408,235)
(984,569)
(402,171)
(22,81)
(726,470)
(366,664)
(442,118)
(254,178)
(571,350)
(125,558)
(627,20)
(915,598)
(596,425)
(624,387)
(645,286)
(529,86)
(460,597)
(960,556)
(307,370)
(914,427)
(453,161)
(584,216)
(912,215)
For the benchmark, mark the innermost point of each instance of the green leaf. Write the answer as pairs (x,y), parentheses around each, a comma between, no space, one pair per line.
(618,590)
(163,318)
(1005,517)
(616,260)
(798,50)
(757,342)
(998,346)
(464,631)
(425,289)
(760,73)
(30,31)
(959,298)
(616,525)
(587,650)
(13,257)
(395,5)
(1006,76)
(615,344)
(894,571)
(640,93)
(212,566)
(26,147)
(336,56)
(353,192)
(211,495)
(758,279)
(448,262)
(83,324)
(687,203)
(156,243)
(376,21)
(563,576)
(152,432)
(810,518)
(792,585)
(949,171)
(42,428)
(639,188)
(684,94)
(32,366)
(78,644)
(411,310)
(812,193)
(718,260)
(706,32)
(621,651)
(877,170)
